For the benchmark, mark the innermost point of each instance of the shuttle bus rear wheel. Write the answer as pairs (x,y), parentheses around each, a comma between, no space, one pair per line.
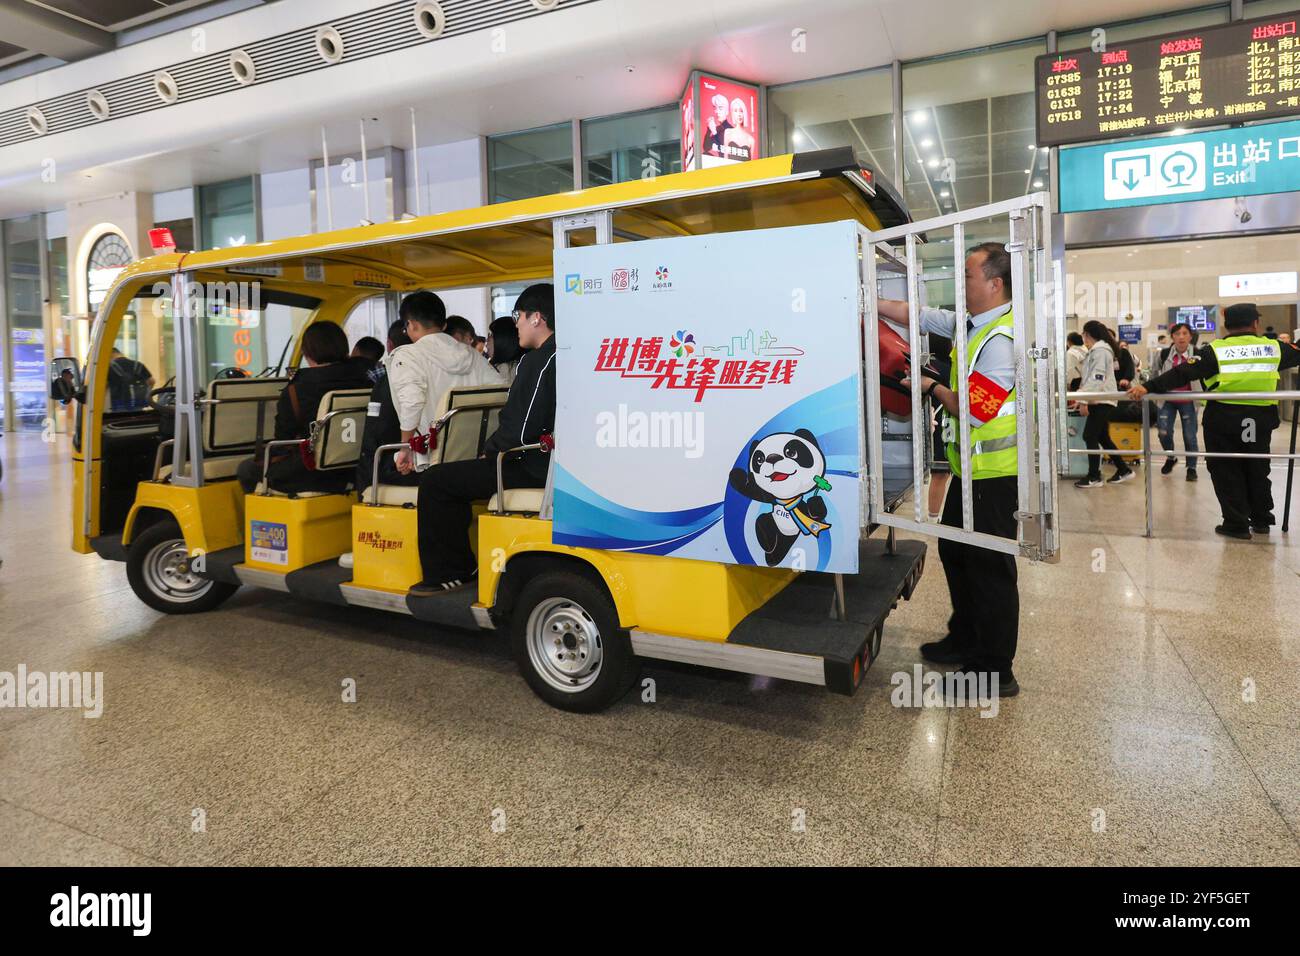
(568,645)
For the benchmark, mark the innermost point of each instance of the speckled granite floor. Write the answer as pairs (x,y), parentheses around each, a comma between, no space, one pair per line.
(1131,741)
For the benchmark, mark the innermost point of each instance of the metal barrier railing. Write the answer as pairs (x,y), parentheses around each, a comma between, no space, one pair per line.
(1090,398)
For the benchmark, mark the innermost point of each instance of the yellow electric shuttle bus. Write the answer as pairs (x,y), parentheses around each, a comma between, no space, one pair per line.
(156,488)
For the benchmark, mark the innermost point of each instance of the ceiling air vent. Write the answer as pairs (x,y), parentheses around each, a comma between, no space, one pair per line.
(164,84)
(242,68)
(300,51)
(329,44)
(430,19)
(97,103)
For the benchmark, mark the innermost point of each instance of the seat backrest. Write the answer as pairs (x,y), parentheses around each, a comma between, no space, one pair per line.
(336,438)
(342,398)
(463,436)
(231,426)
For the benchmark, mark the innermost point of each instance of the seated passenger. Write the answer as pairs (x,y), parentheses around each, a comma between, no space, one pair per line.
(460,329)
(325,350)
(447,490)
(369,349)
(502,348)
(421,373)
(382,427)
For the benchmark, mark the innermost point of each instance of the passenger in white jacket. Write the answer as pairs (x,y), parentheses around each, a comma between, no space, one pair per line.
(1098,375)
(421,373)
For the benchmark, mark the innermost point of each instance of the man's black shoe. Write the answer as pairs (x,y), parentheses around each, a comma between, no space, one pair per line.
(1007,685)
(1168,466)
(946,651)
(427,589)
(1260,528)
(1191,474)
(1240,533)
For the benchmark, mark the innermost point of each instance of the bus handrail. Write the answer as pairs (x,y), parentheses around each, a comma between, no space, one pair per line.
(158,457)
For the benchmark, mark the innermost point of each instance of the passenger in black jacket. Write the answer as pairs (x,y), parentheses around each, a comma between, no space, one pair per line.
(382,424)
(325,349)
(448,490)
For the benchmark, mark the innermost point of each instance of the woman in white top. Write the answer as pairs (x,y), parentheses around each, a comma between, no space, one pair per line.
(1099,376)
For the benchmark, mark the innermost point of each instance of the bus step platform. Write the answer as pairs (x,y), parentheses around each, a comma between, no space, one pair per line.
(449,608)
(798,620)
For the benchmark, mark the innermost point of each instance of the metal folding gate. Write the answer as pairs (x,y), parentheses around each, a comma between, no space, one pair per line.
(1039,372)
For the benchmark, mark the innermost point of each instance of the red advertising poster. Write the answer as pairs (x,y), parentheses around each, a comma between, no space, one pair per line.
(688,127)
(729,120)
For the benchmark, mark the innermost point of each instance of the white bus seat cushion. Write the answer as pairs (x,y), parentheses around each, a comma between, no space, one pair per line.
(520,499)
(213,468)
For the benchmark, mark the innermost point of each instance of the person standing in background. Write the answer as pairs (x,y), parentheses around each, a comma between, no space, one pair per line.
(1179,353)
(1075,353)
(1241,361)
(1099,376)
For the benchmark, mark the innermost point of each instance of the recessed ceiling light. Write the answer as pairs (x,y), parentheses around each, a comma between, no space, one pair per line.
(1038,184)
(932,163)
(919,117)
(1028,171)
(798,136)
(943,193)
(927,143)
(1032,146)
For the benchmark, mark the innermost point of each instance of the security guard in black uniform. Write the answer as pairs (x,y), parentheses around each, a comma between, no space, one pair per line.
(1241,361)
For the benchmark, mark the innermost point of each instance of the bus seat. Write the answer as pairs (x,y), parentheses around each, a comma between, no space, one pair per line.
(342,398)
(335,437)
(520,501)
(214,469)
(461,439)
(230,427)
(463,436)
(398,495)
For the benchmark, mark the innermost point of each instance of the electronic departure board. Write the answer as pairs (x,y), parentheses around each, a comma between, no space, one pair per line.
(1240,71)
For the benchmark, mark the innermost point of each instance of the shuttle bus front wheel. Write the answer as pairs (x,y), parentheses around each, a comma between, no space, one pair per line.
(158,568)
(568,644)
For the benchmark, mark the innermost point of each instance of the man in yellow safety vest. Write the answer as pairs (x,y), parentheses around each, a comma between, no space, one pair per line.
(1241,361)
(985,621)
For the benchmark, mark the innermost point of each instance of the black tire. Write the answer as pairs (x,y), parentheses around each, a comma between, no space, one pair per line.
(158,579)
(579,619)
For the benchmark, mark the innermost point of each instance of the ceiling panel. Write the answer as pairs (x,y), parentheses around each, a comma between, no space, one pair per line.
(105,13)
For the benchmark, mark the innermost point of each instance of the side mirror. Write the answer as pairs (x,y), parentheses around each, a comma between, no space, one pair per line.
(65,378)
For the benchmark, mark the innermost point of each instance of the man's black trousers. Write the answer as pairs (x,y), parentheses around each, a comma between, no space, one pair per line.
(1242,485)
(446,494)
(982,583)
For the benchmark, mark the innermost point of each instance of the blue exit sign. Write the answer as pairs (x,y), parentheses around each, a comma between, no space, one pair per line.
(1223,164)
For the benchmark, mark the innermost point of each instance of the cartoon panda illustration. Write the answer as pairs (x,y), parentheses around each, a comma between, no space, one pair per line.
(786,471)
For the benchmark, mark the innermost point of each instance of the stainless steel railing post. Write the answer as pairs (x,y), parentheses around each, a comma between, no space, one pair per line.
(1146,462)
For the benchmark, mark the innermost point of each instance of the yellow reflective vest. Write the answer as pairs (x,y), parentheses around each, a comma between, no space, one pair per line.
(1247,363)
(993,444)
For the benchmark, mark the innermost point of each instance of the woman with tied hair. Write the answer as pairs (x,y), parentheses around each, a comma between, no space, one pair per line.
(1099,376)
